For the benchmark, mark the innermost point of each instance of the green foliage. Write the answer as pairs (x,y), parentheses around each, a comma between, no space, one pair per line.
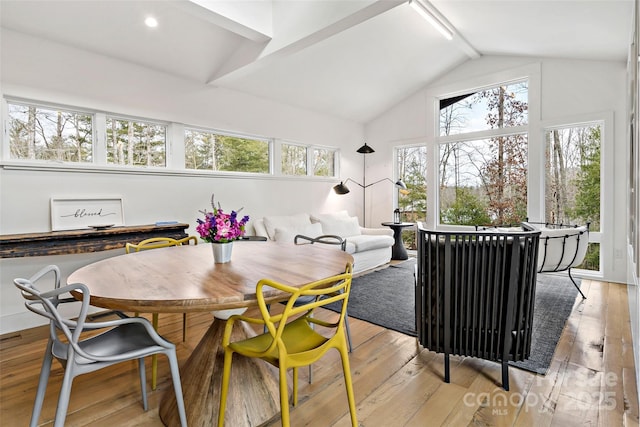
(587,200)
(467,209)
(239,154)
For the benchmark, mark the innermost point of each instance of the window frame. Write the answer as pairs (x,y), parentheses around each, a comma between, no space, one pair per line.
(270,149)
(478,135)
(6,142)
(174,147)
(310,160)
(603,237)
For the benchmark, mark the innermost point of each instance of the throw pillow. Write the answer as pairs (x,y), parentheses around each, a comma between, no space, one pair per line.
(342,227)
(288,235)
(293,223)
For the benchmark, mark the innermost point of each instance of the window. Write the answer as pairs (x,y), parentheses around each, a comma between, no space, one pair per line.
(483,179)
(54,134)
(205,150)
(41,133)
(324,161)
(294,159)
(412,202)
(495,108)
(301,160)
(572,180)
(136,143)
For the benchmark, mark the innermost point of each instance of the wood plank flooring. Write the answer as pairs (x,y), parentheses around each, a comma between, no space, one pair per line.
(591,380)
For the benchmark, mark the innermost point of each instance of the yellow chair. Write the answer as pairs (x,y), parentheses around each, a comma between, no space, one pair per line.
(293,344)
(156,243)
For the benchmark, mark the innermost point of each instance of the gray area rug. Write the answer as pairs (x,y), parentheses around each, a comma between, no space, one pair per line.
(387,298)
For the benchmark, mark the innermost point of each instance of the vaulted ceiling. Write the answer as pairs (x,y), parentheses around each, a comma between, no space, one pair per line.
(352,59)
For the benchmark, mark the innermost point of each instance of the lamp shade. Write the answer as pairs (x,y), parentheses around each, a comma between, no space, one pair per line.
(365,149)
(341,188)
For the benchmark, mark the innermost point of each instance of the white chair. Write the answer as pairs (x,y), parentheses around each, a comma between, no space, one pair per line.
(122,340)
(562,247)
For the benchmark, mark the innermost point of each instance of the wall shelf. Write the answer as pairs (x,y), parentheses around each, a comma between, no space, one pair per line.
(83,241)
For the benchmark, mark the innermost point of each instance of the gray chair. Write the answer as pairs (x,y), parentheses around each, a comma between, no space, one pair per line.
(122,340)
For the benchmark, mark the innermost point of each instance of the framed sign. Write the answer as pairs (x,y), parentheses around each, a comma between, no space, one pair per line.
(78,213)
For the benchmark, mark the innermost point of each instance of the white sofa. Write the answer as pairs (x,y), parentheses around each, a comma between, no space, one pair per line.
(370,247)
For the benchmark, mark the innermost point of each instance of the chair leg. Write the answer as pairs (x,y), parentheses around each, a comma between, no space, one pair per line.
(184,327)
(177,385)
(295,386)
(447,377)
(576,285)
(154,358)
(63,399)
(143,383)
(284,396)
(505,376)
(346,326)
(224,387)
(348,383)
(45,370)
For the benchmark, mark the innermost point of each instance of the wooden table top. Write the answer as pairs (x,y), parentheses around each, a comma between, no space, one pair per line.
(184,278)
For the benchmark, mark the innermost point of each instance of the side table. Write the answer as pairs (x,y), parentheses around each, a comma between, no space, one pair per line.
(398,251)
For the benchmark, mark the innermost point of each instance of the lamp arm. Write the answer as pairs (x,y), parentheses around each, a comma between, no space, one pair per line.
(357,183)
(373,183)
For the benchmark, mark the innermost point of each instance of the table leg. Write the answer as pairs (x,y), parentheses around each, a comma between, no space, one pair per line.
(398,251)
(253,390)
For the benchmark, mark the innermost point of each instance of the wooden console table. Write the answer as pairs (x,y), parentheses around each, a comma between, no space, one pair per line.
(83,241)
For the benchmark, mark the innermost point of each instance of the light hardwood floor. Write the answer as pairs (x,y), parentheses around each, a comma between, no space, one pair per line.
(591,380)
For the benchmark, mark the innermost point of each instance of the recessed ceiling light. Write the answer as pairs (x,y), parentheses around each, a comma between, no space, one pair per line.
(151,22)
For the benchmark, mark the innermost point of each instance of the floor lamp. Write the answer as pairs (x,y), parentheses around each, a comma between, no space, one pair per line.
(343,189)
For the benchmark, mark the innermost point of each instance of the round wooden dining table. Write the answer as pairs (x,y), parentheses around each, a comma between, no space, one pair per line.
(185,279)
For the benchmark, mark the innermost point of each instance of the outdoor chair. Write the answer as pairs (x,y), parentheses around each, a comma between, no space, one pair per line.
(293,344)
(475,294)
(562,247)
(121,340)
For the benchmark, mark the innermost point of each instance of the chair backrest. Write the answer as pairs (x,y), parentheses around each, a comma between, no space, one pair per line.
(561,246)
(316,294)
(46,304)
(159,242)
(475,292)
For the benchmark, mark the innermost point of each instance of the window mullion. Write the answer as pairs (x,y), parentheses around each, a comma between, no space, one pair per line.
(100,135)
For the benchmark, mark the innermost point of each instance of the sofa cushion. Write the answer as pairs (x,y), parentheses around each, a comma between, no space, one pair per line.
(343,226)
(295,224)
(288,235)
(368,242)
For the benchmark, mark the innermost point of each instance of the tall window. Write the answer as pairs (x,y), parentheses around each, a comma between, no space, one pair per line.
(41,133)
(412,202)
(136,143)
(572,180)
(206,150)
(483,156)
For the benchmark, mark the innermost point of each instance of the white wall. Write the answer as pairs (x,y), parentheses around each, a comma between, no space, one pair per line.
(37,69)
(568,89)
